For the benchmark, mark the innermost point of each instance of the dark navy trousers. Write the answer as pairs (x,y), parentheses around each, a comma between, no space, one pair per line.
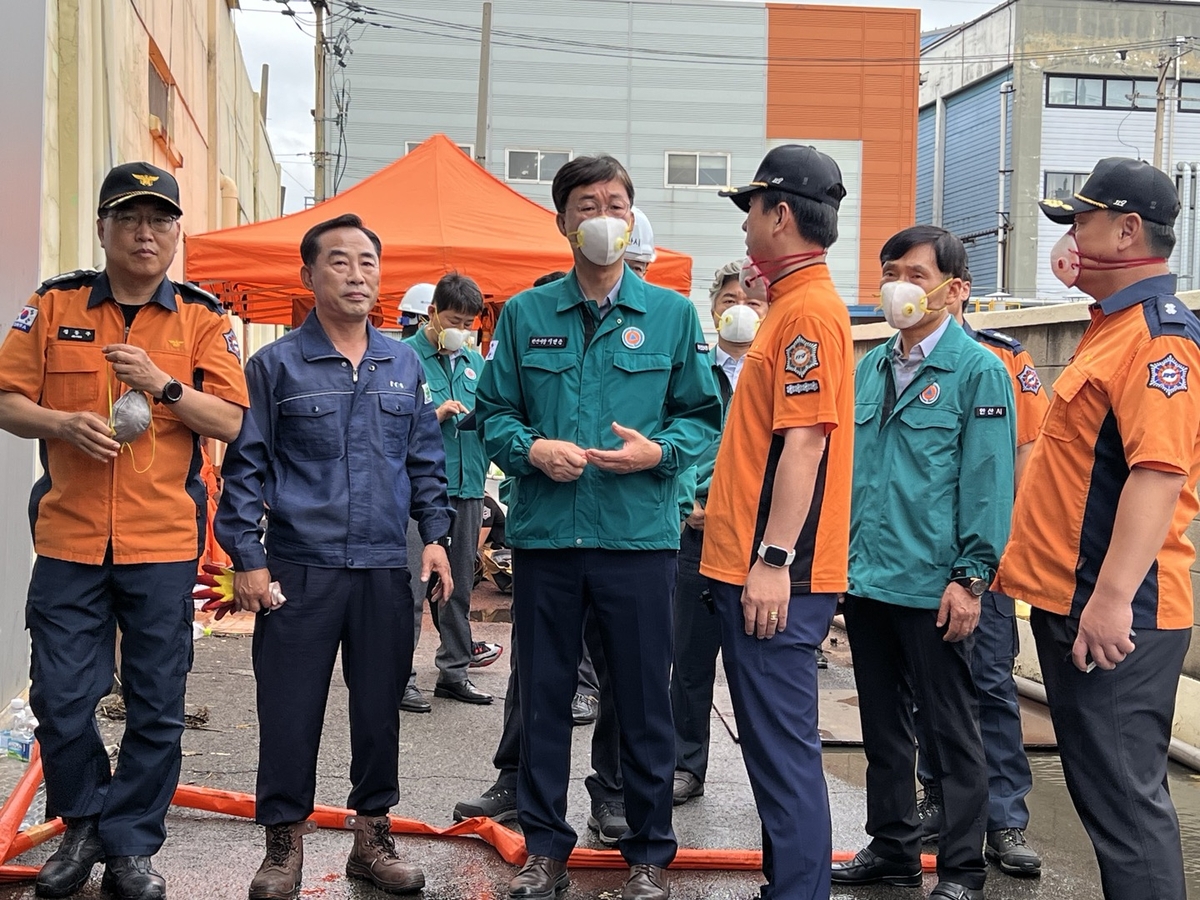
(629,594)
(1009,777)
(1113,729)
(697,643)
(773,684)
(368,614)
(72,614)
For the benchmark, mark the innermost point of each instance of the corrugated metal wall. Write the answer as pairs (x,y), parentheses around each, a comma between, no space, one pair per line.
(972,159)
(588,76)
(926,157)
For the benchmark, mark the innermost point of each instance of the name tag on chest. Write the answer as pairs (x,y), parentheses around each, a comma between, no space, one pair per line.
(547,342)
(66,333)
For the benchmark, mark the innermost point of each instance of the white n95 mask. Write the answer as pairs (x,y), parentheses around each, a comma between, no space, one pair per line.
(738,324)
(130,417)
(602,239)
(904,303)
(454,339)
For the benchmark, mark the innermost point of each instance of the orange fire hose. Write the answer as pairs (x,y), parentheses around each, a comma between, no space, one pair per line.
(509,844)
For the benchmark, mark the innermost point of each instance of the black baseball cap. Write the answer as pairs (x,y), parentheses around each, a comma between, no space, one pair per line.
(795,169)
(1120,185)
(137,180)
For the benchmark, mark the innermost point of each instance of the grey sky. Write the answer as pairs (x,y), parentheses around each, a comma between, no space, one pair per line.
(286,44)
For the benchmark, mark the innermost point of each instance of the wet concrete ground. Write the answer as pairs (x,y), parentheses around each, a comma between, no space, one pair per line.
(446,757)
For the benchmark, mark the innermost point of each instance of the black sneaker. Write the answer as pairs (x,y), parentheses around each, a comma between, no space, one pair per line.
(929,808)
(822,659)
(608,821)
(1007,850)
(584,709)
(498,803)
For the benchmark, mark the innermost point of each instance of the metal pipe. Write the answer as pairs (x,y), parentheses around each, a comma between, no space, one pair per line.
(1006,90)
(1194,226)
(1182,753)
(1184,266)
(939,159)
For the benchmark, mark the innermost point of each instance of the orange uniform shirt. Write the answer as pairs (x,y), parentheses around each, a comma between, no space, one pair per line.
(798,372)
(1128,398)
(52,355)
(1031,398)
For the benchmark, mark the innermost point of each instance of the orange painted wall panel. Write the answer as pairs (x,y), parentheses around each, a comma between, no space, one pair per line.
(850,73)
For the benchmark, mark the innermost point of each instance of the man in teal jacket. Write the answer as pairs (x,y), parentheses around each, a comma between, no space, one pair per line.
(934,450)
(452,371)
(597,395)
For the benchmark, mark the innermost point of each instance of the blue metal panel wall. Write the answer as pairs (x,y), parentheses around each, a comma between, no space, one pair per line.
(926,153)
(971,164)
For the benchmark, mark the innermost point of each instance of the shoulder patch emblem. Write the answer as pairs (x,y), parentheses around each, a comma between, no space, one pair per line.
(633,338)
(470,373)
(231,344)
(1170,308)
(930,395)
(801,356)
(1168,375)
(1028,379)
(801,387)
(25,319)
(428,393)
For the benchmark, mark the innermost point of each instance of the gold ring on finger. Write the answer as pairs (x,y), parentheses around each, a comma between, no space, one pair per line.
(772,615)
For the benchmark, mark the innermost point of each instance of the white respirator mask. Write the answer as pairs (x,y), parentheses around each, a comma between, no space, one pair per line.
(602,239)
(738,324)
(904,303)
(130,417)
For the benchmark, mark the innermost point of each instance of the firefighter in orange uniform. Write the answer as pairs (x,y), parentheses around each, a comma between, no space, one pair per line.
(1098,544)
(118,374)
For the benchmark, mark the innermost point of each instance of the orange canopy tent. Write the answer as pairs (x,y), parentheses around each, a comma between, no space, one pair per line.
(435,210)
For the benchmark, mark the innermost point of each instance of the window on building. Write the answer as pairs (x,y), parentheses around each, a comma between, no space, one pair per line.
(534,166)
(1063,185)
(160,99)
(1189,96)
(704,170)
(1091,92)
(410,146)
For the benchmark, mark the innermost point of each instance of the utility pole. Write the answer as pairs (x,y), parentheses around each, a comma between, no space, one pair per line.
(319,106)
(485,66)
(1160,108)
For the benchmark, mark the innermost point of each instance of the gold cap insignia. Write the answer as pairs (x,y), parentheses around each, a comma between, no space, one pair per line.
(145,180)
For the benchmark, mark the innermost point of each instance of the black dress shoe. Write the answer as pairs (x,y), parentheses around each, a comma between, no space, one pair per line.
(541,878)
(71,865)
(685,787)
(868,868)
(133,878)
(584,709)
(463,691)
(948,890)
(414,701)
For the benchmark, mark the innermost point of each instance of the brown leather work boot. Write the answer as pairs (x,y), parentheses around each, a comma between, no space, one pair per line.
(646,883)
(374,857)
(278,878)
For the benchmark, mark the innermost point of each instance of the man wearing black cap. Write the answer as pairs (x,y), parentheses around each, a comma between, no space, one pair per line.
(1098,545)
(777,522)
(93,362)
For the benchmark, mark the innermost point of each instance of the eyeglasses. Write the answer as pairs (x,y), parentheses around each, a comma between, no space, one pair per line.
(130,221)
(616,210)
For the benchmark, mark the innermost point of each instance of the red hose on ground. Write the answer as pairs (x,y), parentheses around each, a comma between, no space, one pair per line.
(509,844)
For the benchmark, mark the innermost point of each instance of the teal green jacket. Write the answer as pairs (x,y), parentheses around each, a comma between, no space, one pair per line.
(466,463)
(646,368)
(933,482)
(694,483)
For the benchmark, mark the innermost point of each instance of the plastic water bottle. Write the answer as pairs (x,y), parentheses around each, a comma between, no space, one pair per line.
(15,707)
(36,814)
(20,737)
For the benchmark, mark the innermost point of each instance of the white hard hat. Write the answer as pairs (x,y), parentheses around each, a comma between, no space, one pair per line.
(641,239)
(417,299)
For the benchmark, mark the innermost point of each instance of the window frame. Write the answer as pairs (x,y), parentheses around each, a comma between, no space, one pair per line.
(1079,178)
(541,152)
(696,186)
(1130,83)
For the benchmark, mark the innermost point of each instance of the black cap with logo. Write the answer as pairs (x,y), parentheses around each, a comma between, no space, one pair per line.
(138,180)
(794,169)
(1123,186)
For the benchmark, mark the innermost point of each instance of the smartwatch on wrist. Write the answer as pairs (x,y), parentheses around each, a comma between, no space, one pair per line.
(776,557)
(172,392)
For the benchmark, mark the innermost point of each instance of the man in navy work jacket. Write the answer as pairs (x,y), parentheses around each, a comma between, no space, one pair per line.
(341,444)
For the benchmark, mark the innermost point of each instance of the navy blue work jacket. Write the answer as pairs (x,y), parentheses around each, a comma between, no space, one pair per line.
(340,457)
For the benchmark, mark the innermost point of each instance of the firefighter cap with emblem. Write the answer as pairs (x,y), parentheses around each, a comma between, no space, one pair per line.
(137,180)
(793,169)
(1120,185)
